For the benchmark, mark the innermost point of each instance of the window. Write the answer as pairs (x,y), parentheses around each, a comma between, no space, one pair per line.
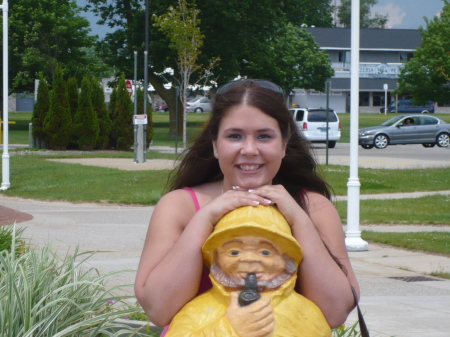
(405,56)
(344,56)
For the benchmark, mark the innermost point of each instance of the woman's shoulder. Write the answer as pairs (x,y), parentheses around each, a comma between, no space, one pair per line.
(187,197)
(316,201)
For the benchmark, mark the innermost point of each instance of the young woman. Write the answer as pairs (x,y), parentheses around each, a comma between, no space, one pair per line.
(250,153)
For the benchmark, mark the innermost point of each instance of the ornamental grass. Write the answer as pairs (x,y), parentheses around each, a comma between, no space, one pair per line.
(43,295)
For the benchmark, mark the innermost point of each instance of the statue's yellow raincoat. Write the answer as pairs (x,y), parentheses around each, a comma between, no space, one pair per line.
(295,315)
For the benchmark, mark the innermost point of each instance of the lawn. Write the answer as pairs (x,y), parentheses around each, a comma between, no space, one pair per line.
(195,123)
(34,177)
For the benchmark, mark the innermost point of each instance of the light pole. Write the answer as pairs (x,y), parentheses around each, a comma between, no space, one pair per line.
(385,87)
(5,157)
(353,239)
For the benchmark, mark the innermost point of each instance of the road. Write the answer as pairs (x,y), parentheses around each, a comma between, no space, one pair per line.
(394,156)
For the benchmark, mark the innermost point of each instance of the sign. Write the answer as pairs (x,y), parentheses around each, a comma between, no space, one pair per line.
(129,86)
(140,119)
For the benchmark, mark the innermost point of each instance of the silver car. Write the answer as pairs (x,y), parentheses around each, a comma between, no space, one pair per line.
(199,104)
(312,123)
(411,129)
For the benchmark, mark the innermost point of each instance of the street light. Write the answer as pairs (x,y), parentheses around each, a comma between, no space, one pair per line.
(353,239)
(5,157)
(385,87)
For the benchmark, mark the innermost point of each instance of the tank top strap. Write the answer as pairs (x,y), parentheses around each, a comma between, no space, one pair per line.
(194,197)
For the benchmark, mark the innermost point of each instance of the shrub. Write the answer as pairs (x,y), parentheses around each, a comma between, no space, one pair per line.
(7,237)
(99,106)
(86,127)
(122,133)
(40,111)
(44,295)
(72,93)
(58,122)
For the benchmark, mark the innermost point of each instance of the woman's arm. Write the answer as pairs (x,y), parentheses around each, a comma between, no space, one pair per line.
(171,263)
(320,278)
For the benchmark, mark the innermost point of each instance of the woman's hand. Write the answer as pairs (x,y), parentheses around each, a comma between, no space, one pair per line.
(277,194)
(229,201)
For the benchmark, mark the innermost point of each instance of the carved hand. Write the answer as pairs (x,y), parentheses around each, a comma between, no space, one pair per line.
(254,320)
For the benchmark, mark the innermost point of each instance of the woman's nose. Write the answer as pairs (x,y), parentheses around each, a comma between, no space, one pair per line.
(249,148)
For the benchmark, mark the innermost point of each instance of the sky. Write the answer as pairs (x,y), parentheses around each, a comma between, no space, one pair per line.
(408,14)
(403,14)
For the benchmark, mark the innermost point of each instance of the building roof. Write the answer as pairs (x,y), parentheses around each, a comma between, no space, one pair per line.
(370,38)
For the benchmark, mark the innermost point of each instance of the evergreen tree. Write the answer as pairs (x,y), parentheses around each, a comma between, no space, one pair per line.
(111,108)
(85,121)
(99,106)
(140,111)
(40,111)
(72,92)
(58,122)
(122,132)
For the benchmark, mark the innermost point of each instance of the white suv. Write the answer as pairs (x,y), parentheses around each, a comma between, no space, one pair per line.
(312,123)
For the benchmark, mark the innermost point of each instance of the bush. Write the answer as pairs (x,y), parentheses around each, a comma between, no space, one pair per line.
(46,296)
(86,127)
(99,106)
(40,111)
(58,122)
(7,236)
(122,133)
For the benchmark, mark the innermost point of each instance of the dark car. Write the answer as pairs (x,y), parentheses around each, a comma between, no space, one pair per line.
(411,129)
(407,106)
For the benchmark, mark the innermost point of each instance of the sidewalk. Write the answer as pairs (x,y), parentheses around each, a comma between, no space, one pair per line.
(398,297)
(392,307)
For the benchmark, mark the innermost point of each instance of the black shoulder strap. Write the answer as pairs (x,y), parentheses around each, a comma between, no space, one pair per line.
(362,323)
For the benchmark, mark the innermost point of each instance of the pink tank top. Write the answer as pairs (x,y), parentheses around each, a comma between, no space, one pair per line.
(205,282)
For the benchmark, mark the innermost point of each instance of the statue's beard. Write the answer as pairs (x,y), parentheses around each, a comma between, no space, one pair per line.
(238,283)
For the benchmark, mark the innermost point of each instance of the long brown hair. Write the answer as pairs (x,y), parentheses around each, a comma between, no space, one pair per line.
(298,170)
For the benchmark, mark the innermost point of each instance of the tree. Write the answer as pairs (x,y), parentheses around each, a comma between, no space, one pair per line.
(72,92)
(181,25)
(86,127)
(122,133)
(46,33)
(294,60)
(99,106)
(426,76)
(58,122)
(345,11)
(40,111)
(233,30)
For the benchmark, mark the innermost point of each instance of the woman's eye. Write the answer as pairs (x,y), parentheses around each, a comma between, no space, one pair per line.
(234,252)
(234,136)
(264,136)
(265,253)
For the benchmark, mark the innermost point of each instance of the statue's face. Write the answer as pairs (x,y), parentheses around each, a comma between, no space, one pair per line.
(249,254)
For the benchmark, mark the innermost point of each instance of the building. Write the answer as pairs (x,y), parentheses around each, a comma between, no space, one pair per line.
(382,54)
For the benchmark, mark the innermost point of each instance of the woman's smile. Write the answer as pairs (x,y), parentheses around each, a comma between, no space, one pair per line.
(249,147)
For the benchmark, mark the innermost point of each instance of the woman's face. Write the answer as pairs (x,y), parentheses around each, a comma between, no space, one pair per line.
(249,147)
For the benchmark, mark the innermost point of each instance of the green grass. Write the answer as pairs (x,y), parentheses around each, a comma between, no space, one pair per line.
(34,177)
(432,242)
(429,210)
(195,123)
(374,181)
(45,295)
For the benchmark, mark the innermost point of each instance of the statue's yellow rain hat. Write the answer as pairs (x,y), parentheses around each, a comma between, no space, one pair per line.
(262,221)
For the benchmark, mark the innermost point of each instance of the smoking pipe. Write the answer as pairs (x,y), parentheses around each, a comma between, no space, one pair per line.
(250,293)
